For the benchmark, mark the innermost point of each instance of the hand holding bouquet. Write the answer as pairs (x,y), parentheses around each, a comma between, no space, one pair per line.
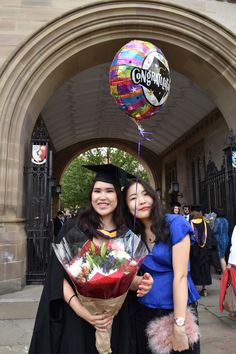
(102,275)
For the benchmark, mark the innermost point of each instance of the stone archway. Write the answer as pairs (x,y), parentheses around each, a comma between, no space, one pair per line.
(196,46)
(148,159)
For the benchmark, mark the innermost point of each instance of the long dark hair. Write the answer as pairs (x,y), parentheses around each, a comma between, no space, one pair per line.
(220,212)
(89,220)
(159,226)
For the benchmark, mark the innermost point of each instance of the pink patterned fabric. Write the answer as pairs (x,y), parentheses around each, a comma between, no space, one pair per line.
(159,331)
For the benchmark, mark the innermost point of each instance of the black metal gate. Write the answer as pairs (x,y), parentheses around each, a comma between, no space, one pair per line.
(213,189)
(38,206)
(218,190)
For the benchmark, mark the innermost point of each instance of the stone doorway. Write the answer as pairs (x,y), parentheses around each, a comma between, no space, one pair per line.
(72,44)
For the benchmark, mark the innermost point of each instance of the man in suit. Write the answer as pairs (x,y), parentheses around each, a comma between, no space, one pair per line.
(186,212)
(58,222)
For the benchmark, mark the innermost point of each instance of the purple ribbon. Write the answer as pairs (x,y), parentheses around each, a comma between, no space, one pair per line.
(142,135)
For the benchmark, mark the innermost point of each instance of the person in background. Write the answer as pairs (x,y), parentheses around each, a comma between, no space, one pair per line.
(58,222)
(214,257)
(168,240)
(186,212)
(232,263)
(176,208)
(199,251)
(221,233)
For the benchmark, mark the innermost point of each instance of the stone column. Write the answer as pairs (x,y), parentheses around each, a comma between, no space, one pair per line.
(12,255)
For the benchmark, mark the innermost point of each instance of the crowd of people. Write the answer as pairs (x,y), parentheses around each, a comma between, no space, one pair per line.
(211,233)
(182,246)
(213,247)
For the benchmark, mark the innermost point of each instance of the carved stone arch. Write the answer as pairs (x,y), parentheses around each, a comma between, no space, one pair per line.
(196,46)
(148,159)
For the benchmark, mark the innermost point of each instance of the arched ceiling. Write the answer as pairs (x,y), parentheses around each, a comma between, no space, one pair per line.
(83,109)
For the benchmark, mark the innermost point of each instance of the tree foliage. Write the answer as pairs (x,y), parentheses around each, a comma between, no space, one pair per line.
(76,180)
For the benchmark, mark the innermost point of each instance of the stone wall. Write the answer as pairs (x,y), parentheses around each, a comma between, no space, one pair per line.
(209,137)
(19,19)
(12,255)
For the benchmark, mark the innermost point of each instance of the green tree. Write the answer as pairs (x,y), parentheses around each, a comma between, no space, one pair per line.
(128,162)
(76,180)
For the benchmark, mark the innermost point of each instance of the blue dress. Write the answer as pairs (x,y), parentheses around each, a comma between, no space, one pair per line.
(221,233)
(159,301)
(159,264)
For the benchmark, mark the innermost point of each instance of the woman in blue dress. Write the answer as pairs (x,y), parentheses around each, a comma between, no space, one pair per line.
(221,233)
(168,240)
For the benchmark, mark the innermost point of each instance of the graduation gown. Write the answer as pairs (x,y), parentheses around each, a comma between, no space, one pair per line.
(200,258)
(59,330)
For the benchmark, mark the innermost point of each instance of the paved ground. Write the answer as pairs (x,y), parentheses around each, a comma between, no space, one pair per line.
(17,312)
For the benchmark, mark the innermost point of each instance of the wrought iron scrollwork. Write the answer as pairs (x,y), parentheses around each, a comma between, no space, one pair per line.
(38,208)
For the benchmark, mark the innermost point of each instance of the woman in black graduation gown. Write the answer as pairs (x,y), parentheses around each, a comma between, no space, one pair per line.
(63,325)
(200,251)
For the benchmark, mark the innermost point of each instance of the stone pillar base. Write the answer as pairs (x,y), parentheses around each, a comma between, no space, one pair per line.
(12,255)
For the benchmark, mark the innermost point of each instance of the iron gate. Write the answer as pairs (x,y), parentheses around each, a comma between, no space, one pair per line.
(219,187)
(38,207)
(213,189)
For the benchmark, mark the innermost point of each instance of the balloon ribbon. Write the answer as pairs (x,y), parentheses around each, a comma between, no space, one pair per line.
(141,135)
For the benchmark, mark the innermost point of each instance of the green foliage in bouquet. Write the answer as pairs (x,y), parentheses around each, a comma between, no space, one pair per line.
(105,258)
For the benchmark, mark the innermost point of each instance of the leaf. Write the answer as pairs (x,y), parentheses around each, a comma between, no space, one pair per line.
(90,260)
(92,247)
(103,250)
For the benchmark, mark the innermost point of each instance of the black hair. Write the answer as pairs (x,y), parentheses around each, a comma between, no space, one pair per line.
(159,226)
(175,205)
(89,220)
(220,212)
(60,212)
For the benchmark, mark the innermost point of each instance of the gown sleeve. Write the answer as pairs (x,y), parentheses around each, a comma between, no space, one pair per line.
(48,323)
(50,315)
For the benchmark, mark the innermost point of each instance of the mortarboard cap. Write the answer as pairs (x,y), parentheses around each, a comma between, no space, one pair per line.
(175,204)
(110,173)
(196,208)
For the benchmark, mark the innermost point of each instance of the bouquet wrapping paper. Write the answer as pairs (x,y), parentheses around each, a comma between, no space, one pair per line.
(112,306)
(102,274)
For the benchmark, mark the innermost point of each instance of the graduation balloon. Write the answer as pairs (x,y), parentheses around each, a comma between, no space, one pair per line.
(140,79)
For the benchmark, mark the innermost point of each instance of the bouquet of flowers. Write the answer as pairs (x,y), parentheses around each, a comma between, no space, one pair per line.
(210,219)
(102,274)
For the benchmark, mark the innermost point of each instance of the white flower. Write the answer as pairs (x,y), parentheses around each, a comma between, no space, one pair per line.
(76,267)
(119,254)
(133,263)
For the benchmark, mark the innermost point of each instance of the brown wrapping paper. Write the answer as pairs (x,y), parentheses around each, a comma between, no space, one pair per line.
(100,306)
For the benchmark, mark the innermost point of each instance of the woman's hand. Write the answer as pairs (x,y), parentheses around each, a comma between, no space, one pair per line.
(179,339)
(145,285)
(100,322)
